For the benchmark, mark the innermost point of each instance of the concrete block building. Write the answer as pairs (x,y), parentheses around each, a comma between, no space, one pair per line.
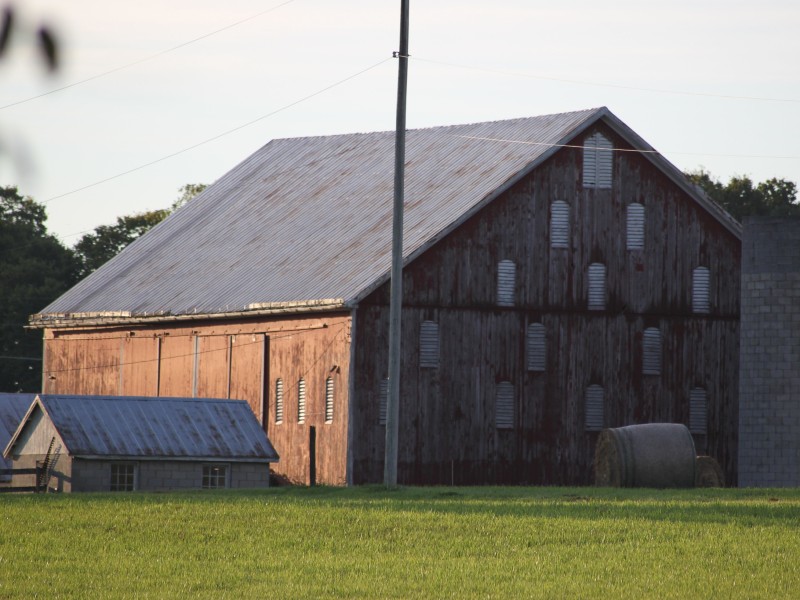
(769,387)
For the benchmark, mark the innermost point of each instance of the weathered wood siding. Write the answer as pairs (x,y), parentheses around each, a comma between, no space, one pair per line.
(223,359)
(448,432)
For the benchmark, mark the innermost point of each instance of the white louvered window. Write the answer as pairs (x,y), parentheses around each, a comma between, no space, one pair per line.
(598,161)
(506,282)
(383,401)
(504,405)
(301,401)
(701,280)
(329,400)
(635,226)
(536,347)
(597,286)
(698,411)
(595,408)
(279,400)
(651,356)
(559,224)
(429,344)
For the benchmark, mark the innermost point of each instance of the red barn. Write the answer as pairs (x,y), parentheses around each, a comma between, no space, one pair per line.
(560,277)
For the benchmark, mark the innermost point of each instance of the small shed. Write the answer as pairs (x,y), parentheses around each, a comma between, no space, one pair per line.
(107,443)
(12,408)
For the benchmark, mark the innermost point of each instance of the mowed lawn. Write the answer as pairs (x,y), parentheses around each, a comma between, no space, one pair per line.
(409,543)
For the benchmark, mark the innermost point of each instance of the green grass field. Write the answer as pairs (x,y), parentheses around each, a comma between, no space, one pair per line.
(410,543)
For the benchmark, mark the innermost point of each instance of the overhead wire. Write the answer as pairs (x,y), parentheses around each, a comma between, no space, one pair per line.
(605,84)
(219,135)
(147,58)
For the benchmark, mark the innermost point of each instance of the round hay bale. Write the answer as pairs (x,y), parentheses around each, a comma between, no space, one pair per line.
(657,455)
(708,473)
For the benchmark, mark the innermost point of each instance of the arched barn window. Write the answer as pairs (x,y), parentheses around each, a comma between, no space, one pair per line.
(506,282)
(559,224)
(598,161)
(651,357)
(504,405)
(595,408)
(635,226)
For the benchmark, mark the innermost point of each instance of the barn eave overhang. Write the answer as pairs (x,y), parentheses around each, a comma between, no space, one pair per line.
(125,318)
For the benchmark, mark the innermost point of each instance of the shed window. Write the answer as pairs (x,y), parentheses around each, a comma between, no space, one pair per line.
(595,408)
(279,400)
(506,281)
(384,401)
(698,411)
(215,477)
(700,289)
(504,405)
(329,400)
(537,347)
(301,400)
(123,477)
(598,161)
(651,359)
(559,224)
(597,286)
(635,226)
(429,344)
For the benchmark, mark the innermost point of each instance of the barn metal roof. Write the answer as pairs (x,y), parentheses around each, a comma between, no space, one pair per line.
(310,218)
(12,409)
(153,428)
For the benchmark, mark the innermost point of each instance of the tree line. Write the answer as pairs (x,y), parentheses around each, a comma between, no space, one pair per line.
(36,268)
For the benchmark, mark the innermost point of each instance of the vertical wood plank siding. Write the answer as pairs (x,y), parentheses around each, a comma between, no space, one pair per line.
(447,430)
(230,355)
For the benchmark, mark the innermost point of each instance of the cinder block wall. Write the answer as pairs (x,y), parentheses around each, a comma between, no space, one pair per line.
(95,475)
(769,374)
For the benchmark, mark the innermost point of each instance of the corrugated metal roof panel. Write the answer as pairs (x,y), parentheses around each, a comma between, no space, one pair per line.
(140,427)
(310,218)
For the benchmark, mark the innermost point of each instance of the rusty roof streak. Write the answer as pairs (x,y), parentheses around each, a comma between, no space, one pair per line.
(165,428)
(307,219)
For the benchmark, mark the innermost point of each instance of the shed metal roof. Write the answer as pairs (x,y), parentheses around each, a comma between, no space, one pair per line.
(153,428)
(12,409)
(310,218)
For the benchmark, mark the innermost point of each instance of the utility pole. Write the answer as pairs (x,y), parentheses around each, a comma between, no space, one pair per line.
(396,299)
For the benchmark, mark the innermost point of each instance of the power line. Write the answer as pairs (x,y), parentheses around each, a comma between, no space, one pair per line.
(147,58)
(605,84)
(218,136)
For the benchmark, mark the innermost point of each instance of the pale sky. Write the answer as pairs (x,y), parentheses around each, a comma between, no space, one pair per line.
(712,83)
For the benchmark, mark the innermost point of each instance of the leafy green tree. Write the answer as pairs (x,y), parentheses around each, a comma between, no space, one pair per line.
(35,268)
(95,249)
(742,198)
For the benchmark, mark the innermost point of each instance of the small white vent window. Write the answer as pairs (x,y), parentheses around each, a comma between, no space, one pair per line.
(559,224)
(595,408)
(506,281)
(597,286)
(698,411)
(651,358)
(504,405)
(635,226)
(537,347)
(329,400)
(429,344)
(383,402)
(279,401)
(301,401)
(700,288)
(598,161)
